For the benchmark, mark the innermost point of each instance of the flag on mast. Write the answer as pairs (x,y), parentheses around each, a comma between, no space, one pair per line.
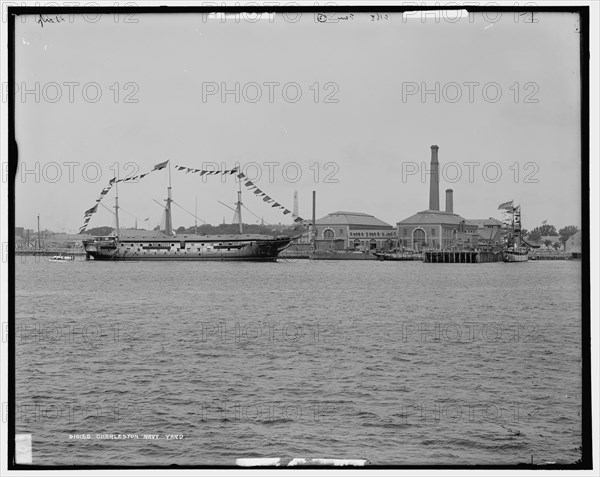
(92,210)
(160,166)
(506,205)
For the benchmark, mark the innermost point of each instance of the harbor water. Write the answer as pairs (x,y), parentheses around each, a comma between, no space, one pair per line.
(400,363)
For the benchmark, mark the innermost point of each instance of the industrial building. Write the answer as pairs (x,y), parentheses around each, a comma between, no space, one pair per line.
(433,229)
(352,231)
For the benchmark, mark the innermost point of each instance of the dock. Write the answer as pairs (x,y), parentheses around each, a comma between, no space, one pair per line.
(461,256)
(554,255)
(326,255)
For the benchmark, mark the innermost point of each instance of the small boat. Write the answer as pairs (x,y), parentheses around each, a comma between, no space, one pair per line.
(62,258)
(398,256)
(340,255)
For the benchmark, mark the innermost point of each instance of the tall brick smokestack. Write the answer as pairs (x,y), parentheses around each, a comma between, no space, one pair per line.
(434,185)
(449,201)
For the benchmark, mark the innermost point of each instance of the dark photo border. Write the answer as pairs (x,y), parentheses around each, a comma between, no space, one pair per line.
(13,157)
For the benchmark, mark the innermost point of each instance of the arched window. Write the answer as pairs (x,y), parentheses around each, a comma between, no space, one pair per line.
(328,234)
(419,237)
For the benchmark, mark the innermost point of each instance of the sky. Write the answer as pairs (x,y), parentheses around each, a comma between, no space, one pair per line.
(348,107)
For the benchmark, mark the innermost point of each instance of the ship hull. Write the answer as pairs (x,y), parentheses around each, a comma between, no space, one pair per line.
(515,257)
(174,258)
(207,248)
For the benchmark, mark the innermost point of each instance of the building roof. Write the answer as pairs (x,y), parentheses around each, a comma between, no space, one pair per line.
(486,222)
(493,234)
(576,236)
(352,219)
(434,217)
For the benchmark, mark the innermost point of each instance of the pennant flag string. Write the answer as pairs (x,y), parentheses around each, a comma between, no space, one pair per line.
(189,170)
(208,172)
(266,198)
(88,213)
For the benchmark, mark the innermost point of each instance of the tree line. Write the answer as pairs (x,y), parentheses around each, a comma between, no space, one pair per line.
(548,230)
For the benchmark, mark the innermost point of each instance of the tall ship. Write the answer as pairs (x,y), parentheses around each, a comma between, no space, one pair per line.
(516,250)
(169,246)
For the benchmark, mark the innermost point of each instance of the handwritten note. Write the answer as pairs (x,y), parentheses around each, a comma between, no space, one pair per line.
(337,17)
(379,17)
(42,19)
(529,17)
(333,17)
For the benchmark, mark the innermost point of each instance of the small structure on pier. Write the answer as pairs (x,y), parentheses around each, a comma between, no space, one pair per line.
(490,233)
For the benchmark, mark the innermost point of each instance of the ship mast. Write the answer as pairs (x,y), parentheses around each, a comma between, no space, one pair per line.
(517,225)
(39,237)
(239,206)
(314,222)
(118,229)
(168,221)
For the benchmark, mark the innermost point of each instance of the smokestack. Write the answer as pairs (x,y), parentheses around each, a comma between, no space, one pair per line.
(449,201)
(434,185)
(295,211)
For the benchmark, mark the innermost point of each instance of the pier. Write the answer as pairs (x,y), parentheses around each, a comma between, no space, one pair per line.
(461,256)
(554,255)
(49,252)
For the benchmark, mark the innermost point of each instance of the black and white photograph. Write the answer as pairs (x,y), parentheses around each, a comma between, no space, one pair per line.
(300,236)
